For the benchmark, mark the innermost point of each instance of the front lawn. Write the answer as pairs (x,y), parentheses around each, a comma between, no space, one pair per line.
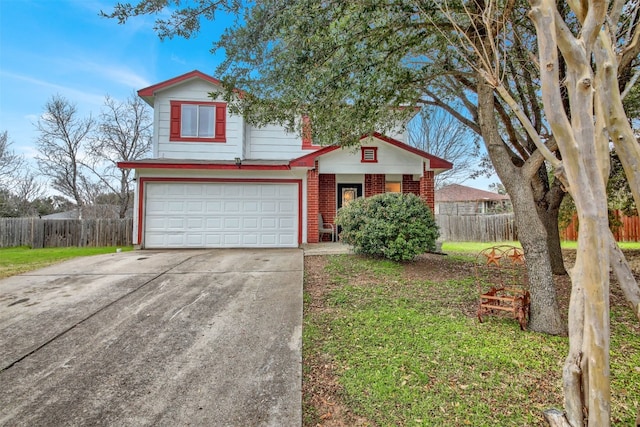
(398,344)
(22,259)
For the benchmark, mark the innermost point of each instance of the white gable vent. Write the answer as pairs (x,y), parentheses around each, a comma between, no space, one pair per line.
(369,154)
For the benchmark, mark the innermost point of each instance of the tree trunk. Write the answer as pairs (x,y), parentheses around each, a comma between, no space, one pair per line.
(625,277)
(553,244)
(549,220)
(586,371)
(548,198)
(554,198)
(545,312)
(124,193)
(556,418)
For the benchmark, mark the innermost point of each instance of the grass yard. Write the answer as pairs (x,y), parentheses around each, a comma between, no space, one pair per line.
(22,259)
(387,344)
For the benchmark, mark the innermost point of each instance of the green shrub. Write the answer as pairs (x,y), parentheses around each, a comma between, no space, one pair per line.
(392,225)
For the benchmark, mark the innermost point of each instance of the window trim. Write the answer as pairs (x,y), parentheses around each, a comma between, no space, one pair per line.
(375,154)
(219,123)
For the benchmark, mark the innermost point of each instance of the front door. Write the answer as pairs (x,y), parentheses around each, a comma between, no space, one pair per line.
(347,193)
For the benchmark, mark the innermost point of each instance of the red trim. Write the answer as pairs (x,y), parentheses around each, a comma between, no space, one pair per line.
(205,166)
(195,74)
(220,125)
(308,160)
(300,212)
(375,155)
(435,162)
(143,181)
(151,90)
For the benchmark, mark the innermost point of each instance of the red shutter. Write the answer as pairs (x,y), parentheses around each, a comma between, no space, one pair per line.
(221,123)
(176,116)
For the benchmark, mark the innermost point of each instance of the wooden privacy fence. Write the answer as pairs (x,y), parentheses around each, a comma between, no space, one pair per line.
(42,233)
(501,227)
(628,229)
(477,228)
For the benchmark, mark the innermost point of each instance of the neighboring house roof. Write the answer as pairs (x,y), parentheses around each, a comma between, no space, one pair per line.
(90,211)
(72,214)
(461,193)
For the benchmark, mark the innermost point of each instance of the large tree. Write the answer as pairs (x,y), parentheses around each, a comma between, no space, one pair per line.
(11,163)
(19,186)
(583,52)
(62,139)
(123,134)
(595,57)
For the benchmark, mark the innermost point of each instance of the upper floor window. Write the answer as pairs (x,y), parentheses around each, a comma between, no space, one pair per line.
(198,121)
(369,154)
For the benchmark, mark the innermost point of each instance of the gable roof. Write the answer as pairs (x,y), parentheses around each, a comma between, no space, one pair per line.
(435,162)
(148,93)
(461,193)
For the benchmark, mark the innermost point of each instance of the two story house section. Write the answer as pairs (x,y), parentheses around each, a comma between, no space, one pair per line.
(217,182)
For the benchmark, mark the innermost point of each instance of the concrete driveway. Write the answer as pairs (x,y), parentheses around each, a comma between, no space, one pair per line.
(163,338)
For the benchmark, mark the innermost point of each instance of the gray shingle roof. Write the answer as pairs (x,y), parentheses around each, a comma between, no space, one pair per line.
(461,193)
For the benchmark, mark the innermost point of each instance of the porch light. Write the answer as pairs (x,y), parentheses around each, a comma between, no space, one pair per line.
(238,162)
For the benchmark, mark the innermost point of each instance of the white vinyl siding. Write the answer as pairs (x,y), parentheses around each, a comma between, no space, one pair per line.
(390,160)
(273,142)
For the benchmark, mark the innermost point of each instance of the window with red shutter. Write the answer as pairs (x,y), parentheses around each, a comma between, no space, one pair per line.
(193,121)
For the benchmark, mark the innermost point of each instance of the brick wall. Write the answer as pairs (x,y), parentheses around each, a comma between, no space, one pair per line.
(374,184)
(410,186)
(321,195)
(427,189)
(327,200)
(312,205)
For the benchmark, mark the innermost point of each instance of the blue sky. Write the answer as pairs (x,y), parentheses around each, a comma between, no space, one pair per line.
(64,47)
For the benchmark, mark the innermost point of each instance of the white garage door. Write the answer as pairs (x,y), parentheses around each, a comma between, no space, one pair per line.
(217,215)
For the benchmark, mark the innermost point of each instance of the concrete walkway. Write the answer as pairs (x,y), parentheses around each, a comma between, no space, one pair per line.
(171,338)
(326,248)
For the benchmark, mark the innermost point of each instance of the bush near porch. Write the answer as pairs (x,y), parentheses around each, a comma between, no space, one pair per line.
(395,226)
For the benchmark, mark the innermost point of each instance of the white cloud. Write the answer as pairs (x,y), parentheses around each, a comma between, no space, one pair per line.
(77,95)
(177,59)
(120,75)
